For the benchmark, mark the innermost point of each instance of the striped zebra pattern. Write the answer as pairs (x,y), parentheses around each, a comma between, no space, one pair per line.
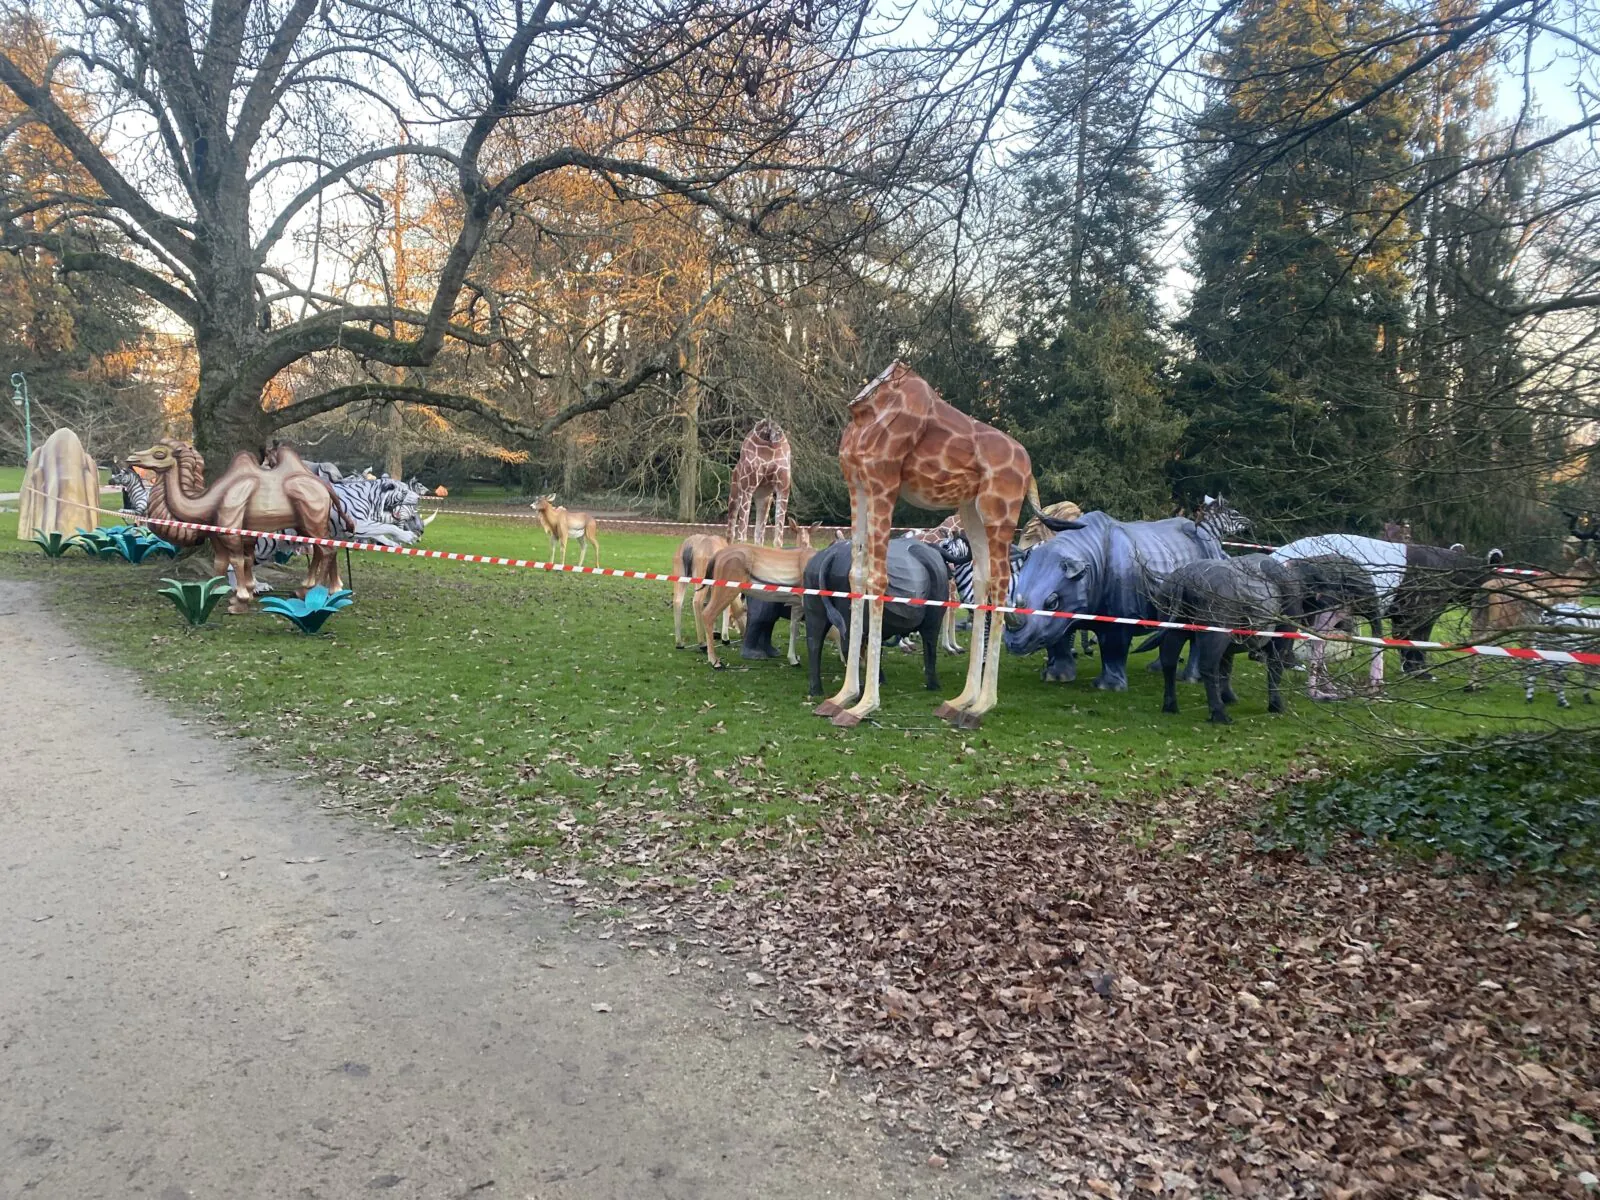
(135,491)
(376,510)
(958,553)
(1221,519)
(1581,632)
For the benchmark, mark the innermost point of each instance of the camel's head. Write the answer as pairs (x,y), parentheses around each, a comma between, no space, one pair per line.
(163,456)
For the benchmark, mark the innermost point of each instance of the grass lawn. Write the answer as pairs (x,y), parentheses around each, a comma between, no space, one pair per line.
(506,707)
(11,479)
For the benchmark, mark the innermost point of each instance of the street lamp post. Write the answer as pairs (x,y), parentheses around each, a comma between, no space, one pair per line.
(19,397)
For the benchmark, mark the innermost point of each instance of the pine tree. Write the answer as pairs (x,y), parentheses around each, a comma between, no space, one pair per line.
(1083,388)
(1300,309)
(1469,447)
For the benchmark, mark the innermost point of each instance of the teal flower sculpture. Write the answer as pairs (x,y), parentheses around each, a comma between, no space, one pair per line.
(308,613)
(96,543)
(135,543)
(53,544)
(196,599)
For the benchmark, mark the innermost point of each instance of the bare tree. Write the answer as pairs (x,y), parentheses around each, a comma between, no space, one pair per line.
(235,136)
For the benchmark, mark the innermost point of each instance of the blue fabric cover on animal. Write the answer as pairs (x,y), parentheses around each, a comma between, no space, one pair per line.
(1107,567)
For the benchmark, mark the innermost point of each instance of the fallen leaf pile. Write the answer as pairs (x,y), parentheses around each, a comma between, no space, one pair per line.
(1162,1019)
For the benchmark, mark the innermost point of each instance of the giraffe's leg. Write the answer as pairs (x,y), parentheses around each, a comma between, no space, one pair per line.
(999,593)
(860,506)
(870,667)
(763,502)
(977,641)
(780,510)
(877,583)
(947,627)
(737,504)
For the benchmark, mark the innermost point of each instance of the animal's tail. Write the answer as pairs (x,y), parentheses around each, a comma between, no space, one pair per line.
(686,560)
(1053,524)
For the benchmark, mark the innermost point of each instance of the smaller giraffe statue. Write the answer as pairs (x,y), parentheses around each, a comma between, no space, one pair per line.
(761,478)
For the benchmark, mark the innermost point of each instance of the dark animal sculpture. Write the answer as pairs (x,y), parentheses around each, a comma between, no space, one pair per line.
(1253,591)
(1414,585)
(1585,527)
(1104,566)
(916,570)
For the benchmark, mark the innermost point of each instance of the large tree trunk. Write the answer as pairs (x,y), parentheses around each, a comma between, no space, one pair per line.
(394,462)
(228,416)
(689,460)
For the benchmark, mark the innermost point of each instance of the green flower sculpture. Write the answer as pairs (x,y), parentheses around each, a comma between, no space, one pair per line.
(96,543)
(53,544)
(308,614)
(135,543)
(196,599)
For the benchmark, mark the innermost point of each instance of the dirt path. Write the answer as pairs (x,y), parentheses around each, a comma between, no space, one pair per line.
(211,988)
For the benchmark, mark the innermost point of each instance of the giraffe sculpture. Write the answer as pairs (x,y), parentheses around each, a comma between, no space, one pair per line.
(903,440)
(761,477)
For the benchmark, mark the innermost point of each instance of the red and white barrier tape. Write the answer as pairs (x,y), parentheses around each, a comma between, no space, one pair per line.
(838,530)
(1561,656)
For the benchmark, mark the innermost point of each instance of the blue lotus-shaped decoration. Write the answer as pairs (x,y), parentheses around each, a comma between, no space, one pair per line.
(132,543)
(307,613)
(135,543)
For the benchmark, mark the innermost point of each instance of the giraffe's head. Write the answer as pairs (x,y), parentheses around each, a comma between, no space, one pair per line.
(883,377)
(767,430)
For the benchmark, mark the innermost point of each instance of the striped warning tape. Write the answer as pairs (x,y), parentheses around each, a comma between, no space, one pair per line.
(837,530)
(1520,652)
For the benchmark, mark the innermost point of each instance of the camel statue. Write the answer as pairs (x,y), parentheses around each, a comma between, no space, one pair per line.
(904,440)
(247,496)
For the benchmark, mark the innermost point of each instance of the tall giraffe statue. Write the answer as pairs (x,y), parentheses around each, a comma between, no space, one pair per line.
(760,478)
(903,440)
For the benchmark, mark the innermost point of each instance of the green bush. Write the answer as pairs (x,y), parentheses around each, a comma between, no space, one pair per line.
(1528,806)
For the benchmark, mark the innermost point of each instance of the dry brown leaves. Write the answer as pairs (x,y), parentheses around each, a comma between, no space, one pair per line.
(1153,1019)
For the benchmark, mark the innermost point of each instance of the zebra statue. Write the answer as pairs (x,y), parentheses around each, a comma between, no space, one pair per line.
(135,491)
(1579,630)
(1221,519)
(957,552)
